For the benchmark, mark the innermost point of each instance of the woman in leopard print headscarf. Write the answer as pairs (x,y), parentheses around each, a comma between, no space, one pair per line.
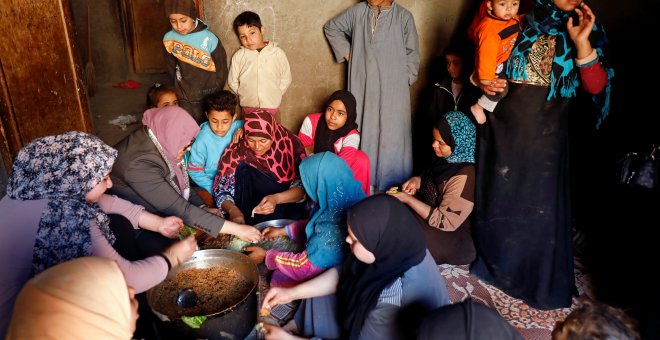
(259,173)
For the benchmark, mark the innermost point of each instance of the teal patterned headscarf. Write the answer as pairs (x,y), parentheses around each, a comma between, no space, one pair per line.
(547,19)
(460,134)
(465,137)
(329,182)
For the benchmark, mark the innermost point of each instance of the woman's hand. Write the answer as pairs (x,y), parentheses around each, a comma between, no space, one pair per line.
(257,254)
(277,296)
(236,215)
(169,226)
(238,219)
(271,233)
(181,251)
(580,33)
(267,205)
(411,186)
(248,233)
(400,195)
(238,134)
(272,332)
(214,211)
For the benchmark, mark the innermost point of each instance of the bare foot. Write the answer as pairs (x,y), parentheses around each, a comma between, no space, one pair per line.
(478,113)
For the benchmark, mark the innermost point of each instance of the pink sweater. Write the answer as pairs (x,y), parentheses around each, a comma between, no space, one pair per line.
(19,224)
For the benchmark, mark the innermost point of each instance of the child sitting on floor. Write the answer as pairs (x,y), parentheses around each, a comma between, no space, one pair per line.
(160,95)
(221,129)
(336,131)
(329,182)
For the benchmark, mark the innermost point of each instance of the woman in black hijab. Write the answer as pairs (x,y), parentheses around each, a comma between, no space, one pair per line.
(388,283)
(335,130)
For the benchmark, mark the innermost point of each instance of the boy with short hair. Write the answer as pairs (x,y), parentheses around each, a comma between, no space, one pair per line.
(259,73)
(195,57)
(214,136)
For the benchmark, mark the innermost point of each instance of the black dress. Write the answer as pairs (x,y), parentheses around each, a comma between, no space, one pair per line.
(523,229)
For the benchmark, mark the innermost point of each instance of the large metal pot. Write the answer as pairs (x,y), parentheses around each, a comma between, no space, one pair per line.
(235,322)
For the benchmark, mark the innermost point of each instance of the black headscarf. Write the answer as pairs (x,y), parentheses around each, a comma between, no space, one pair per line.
(388,229)
(458,132)
(325,138)
(467,320)
(185,7)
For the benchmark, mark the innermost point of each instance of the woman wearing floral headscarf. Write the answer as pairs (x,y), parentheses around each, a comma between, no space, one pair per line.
(257,177)
(523,218)
(55,210)
(150,171)
(444,194)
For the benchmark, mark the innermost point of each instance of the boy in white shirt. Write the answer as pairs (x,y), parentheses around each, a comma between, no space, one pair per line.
(259,72)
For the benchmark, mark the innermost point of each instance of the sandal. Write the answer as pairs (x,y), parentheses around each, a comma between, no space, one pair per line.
(285,312)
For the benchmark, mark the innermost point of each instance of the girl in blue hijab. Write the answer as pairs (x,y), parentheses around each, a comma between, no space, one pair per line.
(329,182)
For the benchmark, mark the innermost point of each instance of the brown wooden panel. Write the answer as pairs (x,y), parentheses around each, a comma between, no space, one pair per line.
(41,75)
(9,141)
(146,24)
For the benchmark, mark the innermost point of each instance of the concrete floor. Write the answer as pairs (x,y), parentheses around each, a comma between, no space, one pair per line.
(109,102)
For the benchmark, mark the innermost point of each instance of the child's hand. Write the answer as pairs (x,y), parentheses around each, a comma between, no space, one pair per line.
(277,296)
(271,233)
(392,191)
(238,134)
(347,57)
(257,254)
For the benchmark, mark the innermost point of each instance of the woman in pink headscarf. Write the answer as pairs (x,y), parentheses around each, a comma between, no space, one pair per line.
(149,171)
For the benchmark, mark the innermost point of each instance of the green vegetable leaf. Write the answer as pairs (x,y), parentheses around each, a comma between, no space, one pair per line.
(186,231)
(193,321)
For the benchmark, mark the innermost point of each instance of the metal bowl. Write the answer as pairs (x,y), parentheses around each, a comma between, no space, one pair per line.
(233,322)
(273,223)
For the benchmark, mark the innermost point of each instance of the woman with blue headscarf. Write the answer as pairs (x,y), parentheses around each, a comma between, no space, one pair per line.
(444,193)
(523,219)
(329,182)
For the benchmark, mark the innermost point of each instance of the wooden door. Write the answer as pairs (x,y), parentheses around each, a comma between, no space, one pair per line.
(41,88)
(146,24)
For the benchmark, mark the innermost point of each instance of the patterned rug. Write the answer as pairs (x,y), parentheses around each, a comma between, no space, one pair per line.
(533,324)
